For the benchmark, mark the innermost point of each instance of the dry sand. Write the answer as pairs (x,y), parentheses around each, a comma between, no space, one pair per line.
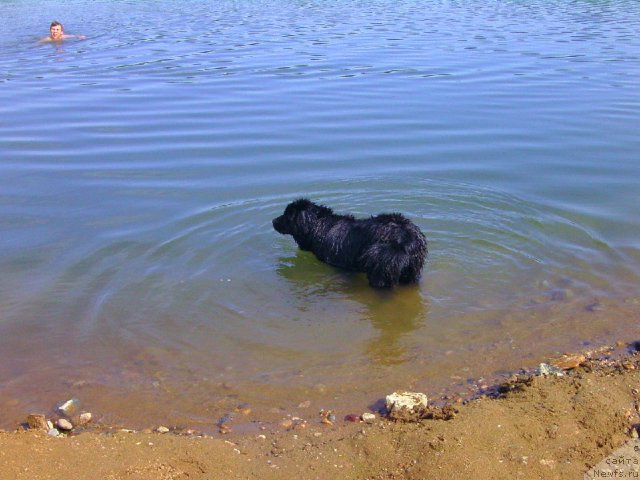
(535,427)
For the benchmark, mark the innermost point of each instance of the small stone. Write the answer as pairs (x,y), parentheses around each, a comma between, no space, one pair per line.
(627,365)
(243,409)
(69,407)
(368,417)
(545,369)
(300,424)
(37,421)
(406,404)
(352,418)
(64,424)
(548,463)
(84,418)
(224,429)
(53,433)
(226,419)
(288,423)
(162,429)
(327,417)
(568,362)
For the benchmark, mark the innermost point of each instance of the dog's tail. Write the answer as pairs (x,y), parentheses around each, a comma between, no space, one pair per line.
(404,236)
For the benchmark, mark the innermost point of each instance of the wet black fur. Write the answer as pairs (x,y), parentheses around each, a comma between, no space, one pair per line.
(389,248)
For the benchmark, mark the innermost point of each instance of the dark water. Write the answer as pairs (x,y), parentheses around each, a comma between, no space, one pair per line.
(140,170)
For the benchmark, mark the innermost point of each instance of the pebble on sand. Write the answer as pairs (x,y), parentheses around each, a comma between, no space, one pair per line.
(368,417)
(64,424)
(286,423)
(406,400)
(243,409)
(568,362)
(545,369)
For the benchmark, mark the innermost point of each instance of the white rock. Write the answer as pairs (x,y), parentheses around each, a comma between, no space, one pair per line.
(162,429)
(410,401)
(69,407)
(53,432)
(546,369)
(368,417)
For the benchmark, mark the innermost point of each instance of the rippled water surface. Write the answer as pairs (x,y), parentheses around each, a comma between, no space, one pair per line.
(140,170)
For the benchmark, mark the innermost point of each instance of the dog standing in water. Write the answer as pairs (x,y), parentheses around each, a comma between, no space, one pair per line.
(388,247)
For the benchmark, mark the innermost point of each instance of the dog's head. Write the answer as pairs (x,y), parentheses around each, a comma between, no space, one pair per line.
(299,219)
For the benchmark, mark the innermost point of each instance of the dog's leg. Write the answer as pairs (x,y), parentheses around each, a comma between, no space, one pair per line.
(378,278)
(383,266)
(410,274)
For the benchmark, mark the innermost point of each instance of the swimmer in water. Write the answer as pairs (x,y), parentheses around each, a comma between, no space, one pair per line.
(56,33)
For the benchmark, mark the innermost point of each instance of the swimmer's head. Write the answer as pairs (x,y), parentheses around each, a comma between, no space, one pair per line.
(56,30)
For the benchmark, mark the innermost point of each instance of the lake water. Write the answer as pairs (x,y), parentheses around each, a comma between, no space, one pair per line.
(140,170)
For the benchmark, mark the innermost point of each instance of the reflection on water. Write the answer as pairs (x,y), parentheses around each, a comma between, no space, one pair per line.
(393,314)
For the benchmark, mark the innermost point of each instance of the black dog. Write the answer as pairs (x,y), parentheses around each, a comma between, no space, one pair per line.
(389,248)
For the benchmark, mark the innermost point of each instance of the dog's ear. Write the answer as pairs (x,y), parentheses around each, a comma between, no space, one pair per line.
(298,205)
(324,211)
(319,210)
(306,205)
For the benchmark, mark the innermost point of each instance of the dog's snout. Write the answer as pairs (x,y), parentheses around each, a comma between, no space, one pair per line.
(278,225)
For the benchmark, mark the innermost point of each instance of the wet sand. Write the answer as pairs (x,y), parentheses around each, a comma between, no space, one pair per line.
(530,427)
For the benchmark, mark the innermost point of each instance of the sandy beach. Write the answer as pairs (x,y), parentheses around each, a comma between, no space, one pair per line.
(532,426)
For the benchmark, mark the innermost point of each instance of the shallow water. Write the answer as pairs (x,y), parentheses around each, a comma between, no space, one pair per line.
(140,170)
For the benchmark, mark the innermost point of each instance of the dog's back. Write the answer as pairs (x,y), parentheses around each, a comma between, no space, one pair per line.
(388,247)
